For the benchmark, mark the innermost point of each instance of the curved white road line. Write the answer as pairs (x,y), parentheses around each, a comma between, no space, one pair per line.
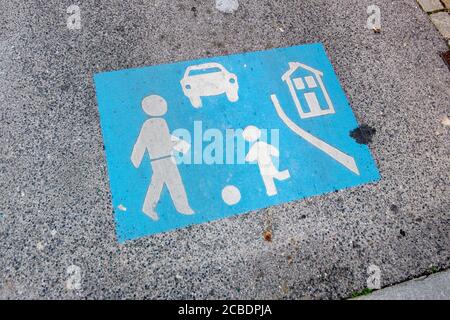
(344,159)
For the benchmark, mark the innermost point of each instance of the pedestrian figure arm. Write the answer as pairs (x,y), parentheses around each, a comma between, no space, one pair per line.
(274,152)
(252,155)
(138,152)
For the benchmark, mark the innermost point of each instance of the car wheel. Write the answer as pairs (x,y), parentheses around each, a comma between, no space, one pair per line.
(232,95)
(196,102)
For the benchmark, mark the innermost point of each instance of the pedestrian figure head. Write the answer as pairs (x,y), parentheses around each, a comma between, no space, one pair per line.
(154,106)
(251,134)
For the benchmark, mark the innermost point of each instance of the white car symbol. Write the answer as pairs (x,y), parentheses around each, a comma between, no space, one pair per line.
(209,79)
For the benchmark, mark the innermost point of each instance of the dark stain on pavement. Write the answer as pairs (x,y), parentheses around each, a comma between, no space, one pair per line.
(267,235)
(194,10)
(446,57)
(289,259)
(120,29)
(394,208)
(363,134)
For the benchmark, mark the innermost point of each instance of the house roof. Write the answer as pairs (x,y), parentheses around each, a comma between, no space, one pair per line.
(293,66)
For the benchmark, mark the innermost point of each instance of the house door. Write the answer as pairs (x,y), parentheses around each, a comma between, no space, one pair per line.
(313,103)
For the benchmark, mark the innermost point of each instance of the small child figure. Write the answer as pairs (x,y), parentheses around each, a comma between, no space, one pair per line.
(262,153)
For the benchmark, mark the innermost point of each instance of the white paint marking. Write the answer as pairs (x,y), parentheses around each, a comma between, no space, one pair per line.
(74,20)
(262,153)
(313,103)
(299,84)
(121,207)
(336,154)
(209,79)
(156,140)
(288,78)
(180,145)
(374,279)
(374,19)
(74,280)
(40,246)
(231,195)
(310,82)
(227,6)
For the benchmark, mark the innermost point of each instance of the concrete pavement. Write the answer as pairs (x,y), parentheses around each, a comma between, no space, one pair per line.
(57,237)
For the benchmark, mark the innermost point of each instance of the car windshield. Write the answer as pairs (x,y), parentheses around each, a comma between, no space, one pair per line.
(204,71)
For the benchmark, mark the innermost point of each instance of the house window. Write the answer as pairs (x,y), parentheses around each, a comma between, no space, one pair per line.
(310,82)
(299,85)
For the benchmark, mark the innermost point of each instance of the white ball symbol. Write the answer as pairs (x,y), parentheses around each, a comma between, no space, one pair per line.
(231,195)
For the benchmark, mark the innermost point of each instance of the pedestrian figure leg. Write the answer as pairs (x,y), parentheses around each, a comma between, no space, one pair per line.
(271,190)
(176,187)
(283,175)
(153,193)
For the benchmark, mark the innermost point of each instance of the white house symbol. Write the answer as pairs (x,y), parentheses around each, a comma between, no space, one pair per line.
(297,84)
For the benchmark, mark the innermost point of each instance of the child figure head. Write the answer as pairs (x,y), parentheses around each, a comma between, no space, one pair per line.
(251,133)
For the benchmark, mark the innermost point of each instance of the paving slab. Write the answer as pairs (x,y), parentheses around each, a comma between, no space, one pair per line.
(446,3)
(442,22)
(433,287)
(430,5)
(57,233)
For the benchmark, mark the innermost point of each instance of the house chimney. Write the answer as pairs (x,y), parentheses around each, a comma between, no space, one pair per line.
(293,65)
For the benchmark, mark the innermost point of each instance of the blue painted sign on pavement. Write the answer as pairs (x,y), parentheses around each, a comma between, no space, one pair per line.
(195,141)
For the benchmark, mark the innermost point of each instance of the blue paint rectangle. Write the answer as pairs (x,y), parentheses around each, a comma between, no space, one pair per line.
(196,141)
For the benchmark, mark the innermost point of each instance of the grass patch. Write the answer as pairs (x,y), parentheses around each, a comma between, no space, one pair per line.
(432,270)
(363,292)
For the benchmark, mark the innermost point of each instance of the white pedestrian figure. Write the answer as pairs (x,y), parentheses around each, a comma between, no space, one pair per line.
(156,139)
(262,153)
